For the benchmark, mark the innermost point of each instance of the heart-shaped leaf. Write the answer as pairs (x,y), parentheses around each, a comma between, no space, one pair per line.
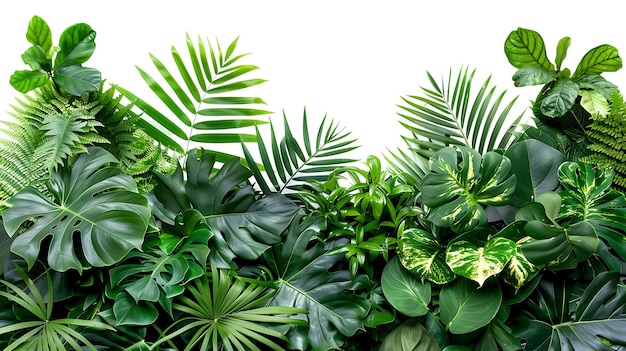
(465,309)
(480,263)
(423,255)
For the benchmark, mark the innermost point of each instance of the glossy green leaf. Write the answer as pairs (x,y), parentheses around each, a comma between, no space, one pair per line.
(561,51)
(409,336)
(36,58)
(464,308)
(424,256)
(77,80)
(529,76)
(93,202)
(603,58)
(307,277)
(461,182)
(558,99)
(525,48)
(76,45)
(519,270)
(131,313)
(407,294)
(25,81)
(39,34)
(480,263)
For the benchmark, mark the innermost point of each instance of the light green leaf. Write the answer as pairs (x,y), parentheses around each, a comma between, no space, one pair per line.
(77,44)
(603,58)
(561,51)
(594,102)
(25,81)
(39,34)
(525,48)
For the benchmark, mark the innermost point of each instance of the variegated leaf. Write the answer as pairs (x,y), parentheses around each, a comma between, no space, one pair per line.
(519,270)
(423,256)
(480,263)
(461,182)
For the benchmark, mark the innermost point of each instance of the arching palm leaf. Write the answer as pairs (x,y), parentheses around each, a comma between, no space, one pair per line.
(204,104)
(447,114)
(291,162)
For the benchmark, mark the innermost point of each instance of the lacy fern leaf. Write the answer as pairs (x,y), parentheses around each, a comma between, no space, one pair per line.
(608,141)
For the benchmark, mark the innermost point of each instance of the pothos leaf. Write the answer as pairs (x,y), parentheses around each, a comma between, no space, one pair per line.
(461,182)
(480,263)
(424,256)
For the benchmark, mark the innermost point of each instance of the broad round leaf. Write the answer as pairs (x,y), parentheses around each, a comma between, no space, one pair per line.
(76,44)
(405,292)
(77,80)
(558,99)
(409,336)
(603,58)
(525,48)
(39,33)
(480,263)
(25,81)
(465,308)
(97,214)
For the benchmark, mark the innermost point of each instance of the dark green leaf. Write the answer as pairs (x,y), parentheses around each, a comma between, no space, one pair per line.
(77,80)
(465,308)
(77,44)
(409,336)
(407,294)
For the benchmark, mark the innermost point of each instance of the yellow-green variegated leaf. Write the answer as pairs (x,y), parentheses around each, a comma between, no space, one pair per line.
(461,182)
(423,256)
(520,270)
(480,263)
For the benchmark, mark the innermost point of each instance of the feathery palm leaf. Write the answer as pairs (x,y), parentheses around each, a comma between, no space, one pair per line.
(42,331)
(448,115)
(227,313)
(287,163)
(204,104)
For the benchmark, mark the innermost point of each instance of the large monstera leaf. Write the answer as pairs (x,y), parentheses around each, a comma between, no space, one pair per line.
(243,226)
(597,322)
(307,278)
(588,196)
(461,182)
(96,214)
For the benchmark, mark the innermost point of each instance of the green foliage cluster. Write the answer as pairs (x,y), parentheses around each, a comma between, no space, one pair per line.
(485,233)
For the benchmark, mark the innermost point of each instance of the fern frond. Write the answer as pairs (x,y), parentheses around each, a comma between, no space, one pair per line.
(447,114)
(608,141)
(288,163)
(202,99)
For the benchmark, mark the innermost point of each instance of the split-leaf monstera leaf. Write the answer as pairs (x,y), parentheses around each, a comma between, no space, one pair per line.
(461,182)
(95,218)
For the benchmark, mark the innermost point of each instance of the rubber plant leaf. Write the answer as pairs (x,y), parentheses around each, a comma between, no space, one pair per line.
(480,263)
(308,277)
(423,255)
(461,182)
(406,293)
(95,213)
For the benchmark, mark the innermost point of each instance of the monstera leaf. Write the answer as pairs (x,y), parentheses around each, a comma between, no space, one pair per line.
(588,196)
(480,263)
(307,278)
(423,255)
(461,182)
(96,214)
(243,226)
(559,247)
(598,318)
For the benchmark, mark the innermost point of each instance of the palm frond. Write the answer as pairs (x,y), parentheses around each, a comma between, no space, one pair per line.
(202,99)
(288,163)
(447,114)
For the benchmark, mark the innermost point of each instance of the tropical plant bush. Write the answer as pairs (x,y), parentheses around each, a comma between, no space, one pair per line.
(126,227)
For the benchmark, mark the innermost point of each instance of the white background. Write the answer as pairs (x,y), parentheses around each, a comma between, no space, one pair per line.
(351,60)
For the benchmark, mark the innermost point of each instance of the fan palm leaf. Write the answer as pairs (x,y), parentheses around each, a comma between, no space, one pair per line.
(289,162)
(204,99)
(447,114)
